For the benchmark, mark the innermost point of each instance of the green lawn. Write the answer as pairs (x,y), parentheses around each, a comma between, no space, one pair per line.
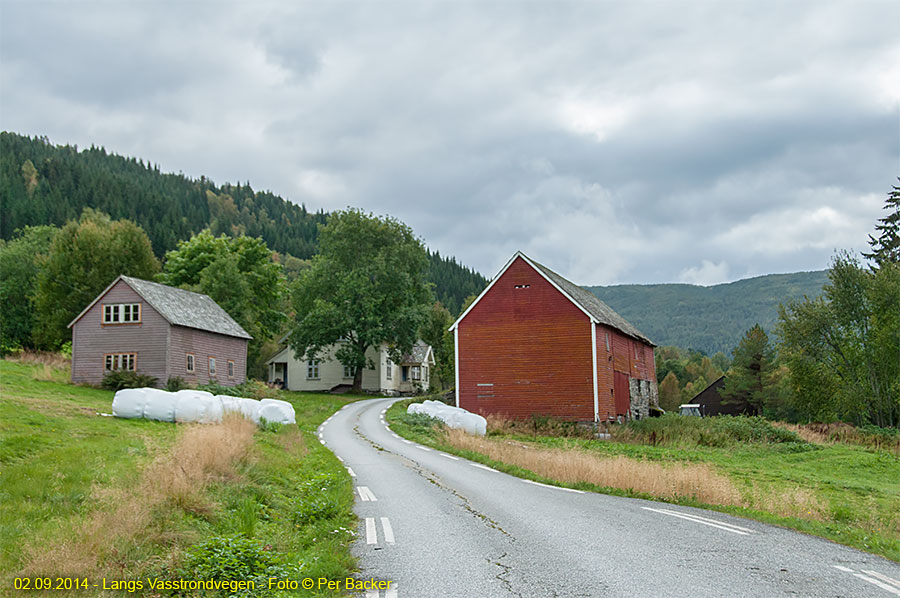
(290,498)
(859,487)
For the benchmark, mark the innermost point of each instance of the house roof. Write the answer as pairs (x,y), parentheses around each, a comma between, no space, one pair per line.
(418,354)
(595,309)
(179,307)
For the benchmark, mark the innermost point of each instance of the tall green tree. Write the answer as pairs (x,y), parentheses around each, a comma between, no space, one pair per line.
(19,264)
(669,392)
(749,382)
(367,286)
(237,273)
(434,332)
(886,247)
(843,349)
(85,256)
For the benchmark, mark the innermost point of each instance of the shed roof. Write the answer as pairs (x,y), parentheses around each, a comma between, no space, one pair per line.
(180,307)
(595,309)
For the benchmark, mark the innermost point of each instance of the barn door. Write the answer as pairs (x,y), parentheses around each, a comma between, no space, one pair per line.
(621,393)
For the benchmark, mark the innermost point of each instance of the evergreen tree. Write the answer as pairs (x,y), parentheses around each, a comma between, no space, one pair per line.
(669,392)
(886,248)
(19,263)
(749,381)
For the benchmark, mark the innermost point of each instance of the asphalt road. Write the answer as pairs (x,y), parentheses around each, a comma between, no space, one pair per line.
(439,526)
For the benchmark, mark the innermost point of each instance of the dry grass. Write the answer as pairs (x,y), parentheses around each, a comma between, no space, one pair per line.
(55,360)
(670,481)
(838,432)
(100,544)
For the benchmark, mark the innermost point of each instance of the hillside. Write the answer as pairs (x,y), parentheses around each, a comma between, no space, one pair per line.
(712,318)
(42,183)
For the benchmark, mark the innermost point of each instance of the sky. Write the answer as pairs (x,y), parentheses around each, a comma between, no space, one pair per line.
(615,142)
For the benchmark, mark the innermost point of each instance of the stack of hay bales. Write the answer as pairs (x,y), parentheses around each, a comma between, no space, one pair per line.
(453,417)
(197,406)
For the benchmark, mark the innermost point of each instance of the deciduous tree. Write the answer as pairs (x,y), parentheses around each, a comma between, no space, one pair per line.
(367,286)
(19,264)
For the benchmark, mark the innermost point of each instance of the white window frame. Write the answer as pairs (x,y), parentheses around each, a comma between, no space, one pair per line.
(113,362)
(348,371)
(115,313)
(312,369)
(190,363)
(415,373)
(212,365)
(389,369)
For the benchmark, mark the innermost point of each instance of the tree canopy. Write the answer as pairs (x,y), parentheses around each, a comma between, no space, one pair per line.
(19,264)
(367,286)
(749,381)
(85,256)
(239,274)
(886,247)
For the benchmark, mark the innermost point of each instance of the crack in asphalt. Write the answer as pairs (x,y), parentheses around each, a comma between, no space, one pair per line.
(501,577)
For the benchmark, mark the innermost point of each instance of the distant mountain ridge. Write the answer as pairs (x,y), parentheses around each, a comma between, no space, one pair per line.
(708,319)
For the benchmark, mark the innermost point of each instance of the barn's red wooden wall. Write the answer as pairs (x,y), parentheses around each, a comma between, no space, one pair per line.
(533,345)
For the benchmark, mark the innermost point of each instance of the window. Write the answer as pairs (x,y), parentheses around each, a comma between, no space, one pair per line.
(404,373)
(231,368)
(607,342)
(348,371)
(120,361)
(425,373)
(389,369)
(212,366)
(121,313)
(189,363)
(523,286)
(416,373)
(312,369)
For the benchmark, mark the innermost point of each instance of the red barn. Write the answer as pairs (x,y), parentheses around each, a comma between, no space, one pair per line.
(534,343)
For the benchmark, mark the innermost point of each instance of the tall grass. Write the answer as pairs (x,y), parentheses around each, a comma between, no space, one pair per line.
(122,518)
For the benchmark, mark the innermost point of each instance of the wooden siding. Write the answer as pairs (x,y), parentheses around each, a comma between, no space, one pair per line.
(91,339)
(204,345)
(533,345)
(605,404)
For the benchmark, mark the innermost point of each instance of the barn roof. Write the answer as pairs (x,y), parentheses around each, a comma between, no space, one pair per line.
(595,309)
(180,307)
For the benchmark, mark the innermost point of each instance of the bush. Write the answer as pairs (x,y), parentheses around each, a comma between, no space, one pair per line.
(719,431)
(175,384)
(228,557)
(251,389)
(117,380)
(316,499)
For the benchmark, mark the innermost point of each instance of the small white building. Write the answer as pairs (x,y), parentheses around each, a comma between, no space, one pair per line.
(411,375)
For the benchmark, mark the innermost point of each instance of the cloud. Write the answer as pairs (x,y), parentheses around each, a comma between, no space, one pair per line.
(615,142)
(706,274)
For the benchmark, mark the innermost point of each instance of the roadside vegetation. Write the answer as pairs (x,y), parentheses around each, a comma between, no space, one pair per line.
(844,486)
(102,497)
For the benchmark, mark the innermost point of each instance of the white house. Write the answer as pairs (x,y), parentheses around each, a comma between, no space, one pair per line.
(412,374)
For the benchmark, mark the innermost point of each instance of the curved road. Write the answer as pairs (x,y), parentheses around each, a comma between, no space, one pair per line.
(437,525)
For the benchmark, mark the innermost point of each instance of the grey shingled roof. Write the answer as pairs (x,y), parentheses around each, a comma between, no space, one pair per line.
(417,355)
(591,304)
(186,308)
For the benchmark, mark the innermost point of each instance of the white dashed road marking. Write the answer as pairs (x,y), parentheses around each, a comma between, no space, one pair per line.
(888,584)
(423,448)
(484,467)
(728,527)
(371,533)
(554,487)
(449,456)
(350,471)
(883,577)
(388,530)
(365,494)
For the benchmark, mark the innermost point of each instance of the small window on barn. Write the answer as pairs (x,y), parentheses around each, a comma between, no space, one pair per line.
(231,368)
(607,342)
(312,369)
(212,366)
(523,286)
(189,363)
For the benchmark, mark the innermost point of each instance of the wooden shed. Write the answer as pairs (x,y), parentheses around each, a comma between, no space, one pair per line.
(534,343)
(158,330)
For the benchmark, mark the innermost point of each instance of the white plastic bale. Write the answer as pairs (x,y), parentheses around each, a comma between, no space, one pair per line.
(453,417)
(160,405)
(249,408)
(275,410)
(230,404)
(214,410)
(129,403)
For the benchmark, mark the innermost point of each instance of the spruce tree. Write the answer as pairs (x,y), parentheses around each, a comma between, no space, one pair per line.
(886,248)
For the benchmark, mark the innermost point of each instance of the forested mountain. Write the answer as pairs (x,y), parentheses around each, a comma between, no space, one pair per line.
(41,183)
(708,319)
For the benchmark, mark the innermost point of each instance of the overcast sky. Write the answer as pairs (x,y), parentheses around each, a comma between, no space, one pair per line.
(616,142)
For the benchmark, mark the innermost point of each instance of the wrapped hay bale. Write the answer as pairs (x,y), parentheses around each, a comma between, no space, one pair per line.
(129,403)
(277,411)
(160,405)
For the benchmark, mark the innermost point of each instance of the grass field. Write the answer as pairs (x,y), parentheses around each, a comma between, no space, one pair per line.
(846,493)
(101,497)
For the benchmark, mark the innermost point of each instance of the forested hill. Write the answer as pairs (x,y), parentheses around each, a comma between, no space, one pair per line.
(712,318)
(41,183)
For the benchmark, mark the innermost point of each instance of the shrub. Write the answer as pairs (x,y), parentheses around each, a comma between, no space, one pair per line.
(719,431)
(175,384)
(316,499)
(119,379)
(251,389)
(422,423)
